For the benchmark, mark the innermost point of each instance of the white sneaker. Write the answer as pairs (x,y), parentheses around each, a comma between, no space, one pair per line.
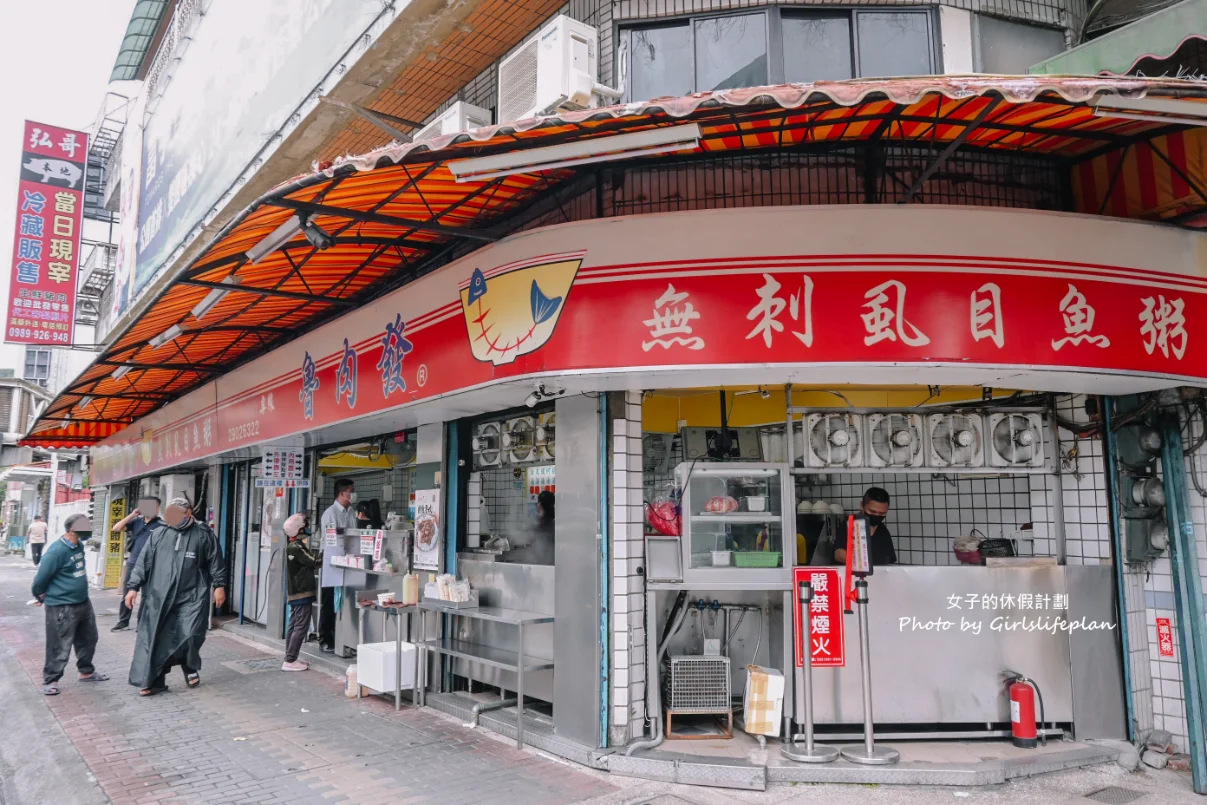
(297,665)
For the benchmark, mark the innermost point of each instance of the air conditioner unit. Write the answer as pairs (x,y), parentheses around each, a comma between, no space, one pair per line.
(955,440)
(519,440)
(895,440)
(457,118)
(488,445)
(546,436)
(1016,440)
(555,70)
(833,439)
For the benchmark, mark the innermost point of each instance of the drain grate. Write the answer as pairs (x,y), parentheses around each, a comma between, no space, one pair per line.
(1114,795)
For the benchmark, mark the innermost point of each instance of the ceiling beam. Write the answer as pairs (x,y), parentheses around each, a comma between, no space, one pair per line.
(388,220)
(251,289)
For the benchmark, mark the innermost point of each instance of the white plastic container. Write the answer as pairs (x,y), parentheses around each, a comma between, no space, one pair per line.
(721,558)
(376,664)
(757,503)
(385,598)
(350,681)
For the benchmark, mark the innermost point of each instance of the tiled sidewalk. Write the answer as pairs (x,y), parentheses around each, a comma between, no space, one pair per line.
(252,734)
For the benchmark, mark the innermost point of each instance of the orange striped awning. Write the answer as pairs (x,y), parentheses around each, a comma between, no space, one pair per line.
(396,213)
(1161,179)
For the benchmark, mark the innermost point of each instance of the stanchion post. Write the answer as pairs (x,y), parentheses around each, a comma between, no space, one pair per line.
(869,754)
(810,752)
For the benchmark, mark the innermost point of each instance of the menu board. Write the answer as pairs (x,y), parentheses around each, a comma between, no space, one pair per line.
(113,545)
(427,529)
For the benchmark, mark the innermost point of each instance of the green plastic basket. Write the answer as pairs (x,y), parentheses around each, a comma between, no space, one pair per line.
(757,558)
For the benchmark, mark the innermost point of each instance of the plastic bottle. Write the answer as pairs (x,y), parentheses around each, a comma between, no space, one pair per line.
(410,589)
(350,682)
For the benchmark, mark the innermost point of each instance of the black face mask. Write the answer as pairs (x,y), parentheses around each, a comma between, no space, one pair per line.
(875,519)
(83,536)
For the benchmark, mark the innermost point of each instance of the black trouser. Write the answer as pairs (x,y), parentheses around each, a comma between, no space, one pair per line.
(327,618)
(69,626)
(161,681)
(35,548)
(299,627)
(124,612)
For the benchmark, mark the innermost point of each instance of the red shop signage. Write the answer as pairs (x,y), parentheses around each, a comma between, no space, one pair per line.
(825,616)
(545,304)
(46,243)
(1164,637)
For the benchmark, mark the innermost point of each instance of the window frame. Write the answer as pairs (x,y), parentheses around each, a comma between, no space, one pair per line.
(774,16)
(33,353)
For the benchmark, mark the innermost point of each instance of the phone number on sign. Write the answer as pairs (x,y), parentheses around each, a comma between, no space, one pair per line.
(38,335)
(245,431)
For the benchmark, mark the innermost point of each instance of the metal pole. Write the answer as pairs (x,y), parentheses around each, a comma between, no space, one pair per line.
(869,754)
(811,753)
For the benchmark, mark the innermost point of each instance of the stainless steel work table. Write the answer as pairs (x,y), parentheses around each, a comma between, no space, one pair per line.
(397,612)
(486,655)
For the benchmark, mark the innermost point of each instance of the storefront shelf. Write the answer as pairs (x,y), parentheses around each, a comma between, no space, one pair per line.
(487,655)
(740,519)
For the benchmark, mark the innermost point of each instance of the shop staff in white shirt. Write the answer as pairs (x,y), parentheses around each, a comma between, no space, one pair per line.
(340,516)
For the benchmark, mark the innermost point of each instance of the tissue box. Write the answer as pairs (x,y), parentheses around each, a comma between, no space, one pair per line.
(763,703)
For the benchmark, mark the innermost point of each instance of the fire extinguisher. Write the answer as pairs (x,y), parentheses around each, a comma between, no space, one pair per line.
(1023,692)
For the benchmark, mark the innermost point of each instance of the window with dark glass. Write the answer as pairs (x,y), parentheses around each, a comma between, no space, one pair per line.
(660,63)
(894,43)
(750,49)
(731,52)
(817,47)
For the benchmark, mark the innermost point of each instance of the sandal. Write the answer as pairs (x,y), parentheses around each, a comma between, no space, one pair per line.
(95,677)
(50,690)
(145,692)
(193,679)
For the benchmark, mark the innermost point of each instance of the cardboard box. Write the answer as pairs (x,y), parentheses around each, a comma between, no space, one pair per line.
(764,701)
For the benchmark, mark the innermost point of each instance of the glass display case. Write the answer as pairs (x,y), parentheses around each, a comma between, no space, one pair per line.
(738,527)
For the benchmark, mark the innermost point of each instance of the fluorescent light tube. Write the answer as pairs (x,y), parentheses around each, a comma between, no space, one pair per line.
(120,372)
(1166,106)
(84,402)
(214,297)
(584,152)
(1183,121)
(170,334)
(275,239)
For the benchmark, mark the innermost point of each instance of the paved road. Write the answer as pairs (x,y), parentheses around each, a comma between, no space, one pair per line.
(251,734)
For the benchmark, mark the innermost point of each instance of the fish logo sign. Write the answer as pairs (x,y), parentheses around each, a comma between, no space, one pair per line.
(512,310)
(148,437)
(56,169)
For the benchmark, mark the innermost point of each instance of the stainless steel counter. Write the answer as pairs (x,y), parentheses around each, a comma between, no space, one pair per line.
(936,662)
(508,586)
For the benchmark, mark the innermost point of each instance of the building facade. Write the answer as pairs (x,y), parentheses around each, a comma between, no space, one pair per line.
(822,214)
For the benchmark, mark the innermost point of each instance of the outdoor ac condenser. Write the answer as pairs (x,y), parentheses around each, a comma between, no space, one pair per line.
(459,117)
(555,70)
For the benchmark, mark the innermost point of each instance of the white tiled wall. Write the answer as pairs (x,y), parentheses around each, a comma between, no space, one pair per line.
(627,586)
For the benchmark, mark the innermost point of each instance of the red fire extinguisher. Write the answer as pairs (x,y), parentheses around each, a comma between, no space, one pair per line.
(1023,692)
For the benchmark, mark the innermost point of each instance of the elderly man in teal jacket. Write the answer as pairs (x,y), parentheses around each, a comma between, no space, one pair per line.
(61,585)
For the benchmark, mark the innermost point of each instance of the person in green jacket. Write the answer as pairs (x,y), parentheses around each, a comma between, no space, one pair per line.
(61,586)
(302,563)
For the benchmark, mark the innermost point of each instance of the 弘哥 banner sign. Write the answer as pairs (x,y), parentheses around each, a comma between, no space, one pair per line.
(46,245)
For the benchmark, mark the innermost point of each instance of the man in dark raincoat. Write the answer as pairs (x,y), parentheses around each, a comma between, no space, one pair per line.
(175,572)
